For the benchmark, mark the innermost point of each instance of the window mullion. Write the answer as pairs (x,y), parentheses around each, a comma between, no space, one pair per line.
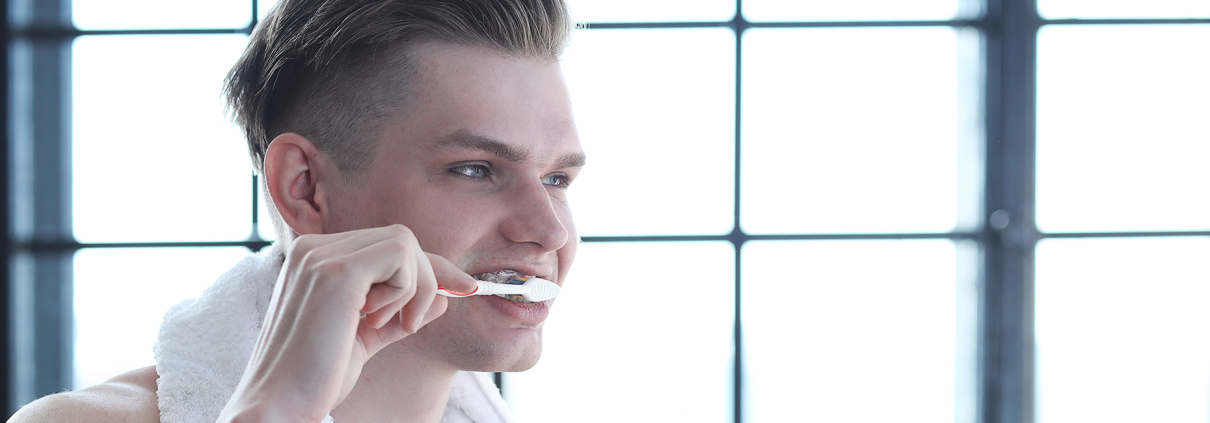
(40,293)
(1006,338)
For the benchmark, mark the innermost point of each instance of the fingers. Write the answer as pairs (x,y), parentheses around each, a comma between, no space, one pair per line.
(445,274)
(412,314)
(410,293)
(390,294)
(449,275)
(378,316)
(380,337)
(398,280)
(424,305)
(316,329)
(381,296)
(339,244)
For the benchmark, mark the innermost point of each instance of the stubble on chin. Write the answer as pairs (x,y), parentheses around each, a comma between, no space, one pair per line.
(458,340)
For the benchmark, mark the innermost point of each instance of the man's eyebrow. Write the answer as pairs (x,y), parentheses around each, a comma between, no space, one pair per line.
(471,141)
(465,139)
(571,160)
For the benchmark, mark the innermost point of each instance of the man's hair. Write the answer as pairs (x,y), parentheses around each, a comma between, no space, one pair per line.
(332,70)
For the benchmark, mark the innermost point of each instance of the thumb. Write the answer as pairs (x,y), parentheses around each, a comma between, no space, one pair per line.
(450,276)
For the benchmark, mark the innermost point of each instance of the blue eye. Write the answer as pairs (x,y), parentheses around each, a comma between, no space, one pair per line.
(472,171)
(557,180)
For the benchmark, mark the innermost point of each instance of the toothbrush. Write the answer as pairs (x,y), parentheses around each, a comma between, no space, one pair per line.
(532,289)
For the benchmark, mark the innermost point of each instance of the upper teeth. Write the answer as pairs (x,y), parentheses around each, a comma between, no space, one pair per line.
(503,276)
(499,276)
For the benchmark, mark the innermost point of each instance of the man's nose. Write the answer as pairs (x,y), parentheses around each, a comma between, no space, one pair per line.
(533,218)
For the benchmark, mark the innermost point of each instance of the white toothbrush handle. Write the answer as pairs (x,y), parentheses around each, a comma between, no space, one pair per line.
(484,288)
(534,289)
(488,288)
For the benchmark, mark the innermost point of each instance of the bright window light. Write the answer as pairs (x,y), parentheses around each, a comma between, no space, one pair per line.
(160,14)
(1092,9)
(1123,330)
(263,7)
(655,111)
(833,327)
(1123,133)
(651,10)
(850,10)
(642,332)
(153,156)
(121,296)
(850,130)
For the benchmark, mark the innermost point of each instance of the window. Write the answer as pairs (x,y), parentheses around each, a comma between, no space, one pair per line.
(841,211)
(1122,136)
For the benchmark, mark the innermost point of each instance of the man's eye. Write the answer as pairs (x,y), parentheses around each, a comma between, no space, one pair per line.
(557,180)
(472,171)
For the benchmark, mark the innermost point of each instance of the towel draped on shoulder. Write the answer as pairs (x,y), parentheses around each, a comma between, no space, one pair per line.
(205,344)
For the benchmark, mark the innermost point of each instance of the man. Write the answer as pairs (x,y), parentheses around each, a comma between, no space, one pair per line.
(404,144)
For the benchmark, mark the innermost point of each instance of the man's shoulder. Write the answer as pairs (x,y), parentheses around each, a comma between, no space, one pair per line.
(129,397)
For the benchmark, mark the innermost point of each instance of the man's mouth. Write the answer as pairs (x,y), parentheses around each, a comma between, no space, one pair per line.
(506,276)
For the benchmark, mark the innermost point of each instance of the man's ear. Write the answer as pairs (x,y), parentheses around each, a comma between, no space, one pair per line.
(297,181)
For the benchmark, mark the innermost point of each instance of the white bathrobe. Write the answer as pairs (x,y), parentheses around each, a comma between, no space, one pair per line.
(205,343)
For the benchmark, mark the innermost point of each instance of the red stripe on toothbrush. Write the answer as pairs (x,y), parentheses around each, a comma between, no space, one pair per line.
(460,294)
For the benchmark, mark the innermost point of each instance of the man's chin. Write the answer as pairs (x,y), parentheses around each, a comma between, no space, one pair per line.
(464,345)
(506,361)
(522,366)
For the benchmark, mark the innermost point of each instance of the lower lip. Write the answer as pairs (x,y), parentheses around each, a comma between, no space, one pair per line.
(521,312)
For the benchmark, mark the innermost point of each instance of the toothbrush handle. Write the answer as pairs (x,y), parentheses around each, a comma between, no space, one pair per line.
(446,292)
(483,288)
(488,288)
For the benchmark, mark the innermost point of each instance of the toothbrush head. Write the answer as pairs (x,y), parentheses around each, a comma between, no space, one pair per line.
(540,290)
(537,289)
(515,280)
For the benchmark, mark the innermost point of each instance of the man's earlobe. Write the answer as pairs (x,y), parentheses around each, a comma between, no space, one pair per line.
(291,165)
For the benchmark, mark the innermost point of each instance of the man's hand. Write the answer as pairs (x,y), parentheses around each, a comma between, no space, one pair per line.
(339,300)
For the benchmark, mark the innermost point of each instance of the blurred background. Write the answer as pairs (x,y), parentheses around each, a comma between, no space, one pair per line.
(888,210)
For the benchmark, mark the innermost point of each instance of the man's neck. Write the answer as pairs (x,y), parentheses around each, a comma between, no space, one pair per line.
(397,385)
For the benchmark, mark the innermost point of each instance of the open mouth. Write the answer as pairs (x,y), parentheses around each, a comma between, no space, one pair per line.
(509,277)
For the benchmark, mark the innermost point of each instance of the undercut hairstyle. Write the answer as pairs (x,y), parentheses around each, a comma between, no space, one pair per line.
(334,70)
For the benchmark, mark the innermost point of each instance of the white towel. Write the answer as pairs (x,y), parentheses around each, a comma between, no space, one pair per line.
(205,343)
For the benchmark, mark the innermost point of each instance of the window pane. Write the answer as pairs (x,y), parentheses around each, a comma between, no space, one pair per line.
(154,158)
(264,223)
(651,10)
(121,296)
(1123,134)
(1088,9)
(660,357)
(656,115)
(849,10)
(263,6)
(161,14)
(827,334)
(1123,330)
(850,130)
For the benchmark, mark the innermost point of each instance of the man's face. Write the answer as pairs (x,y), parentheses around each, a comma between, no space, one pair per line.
(477,166)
